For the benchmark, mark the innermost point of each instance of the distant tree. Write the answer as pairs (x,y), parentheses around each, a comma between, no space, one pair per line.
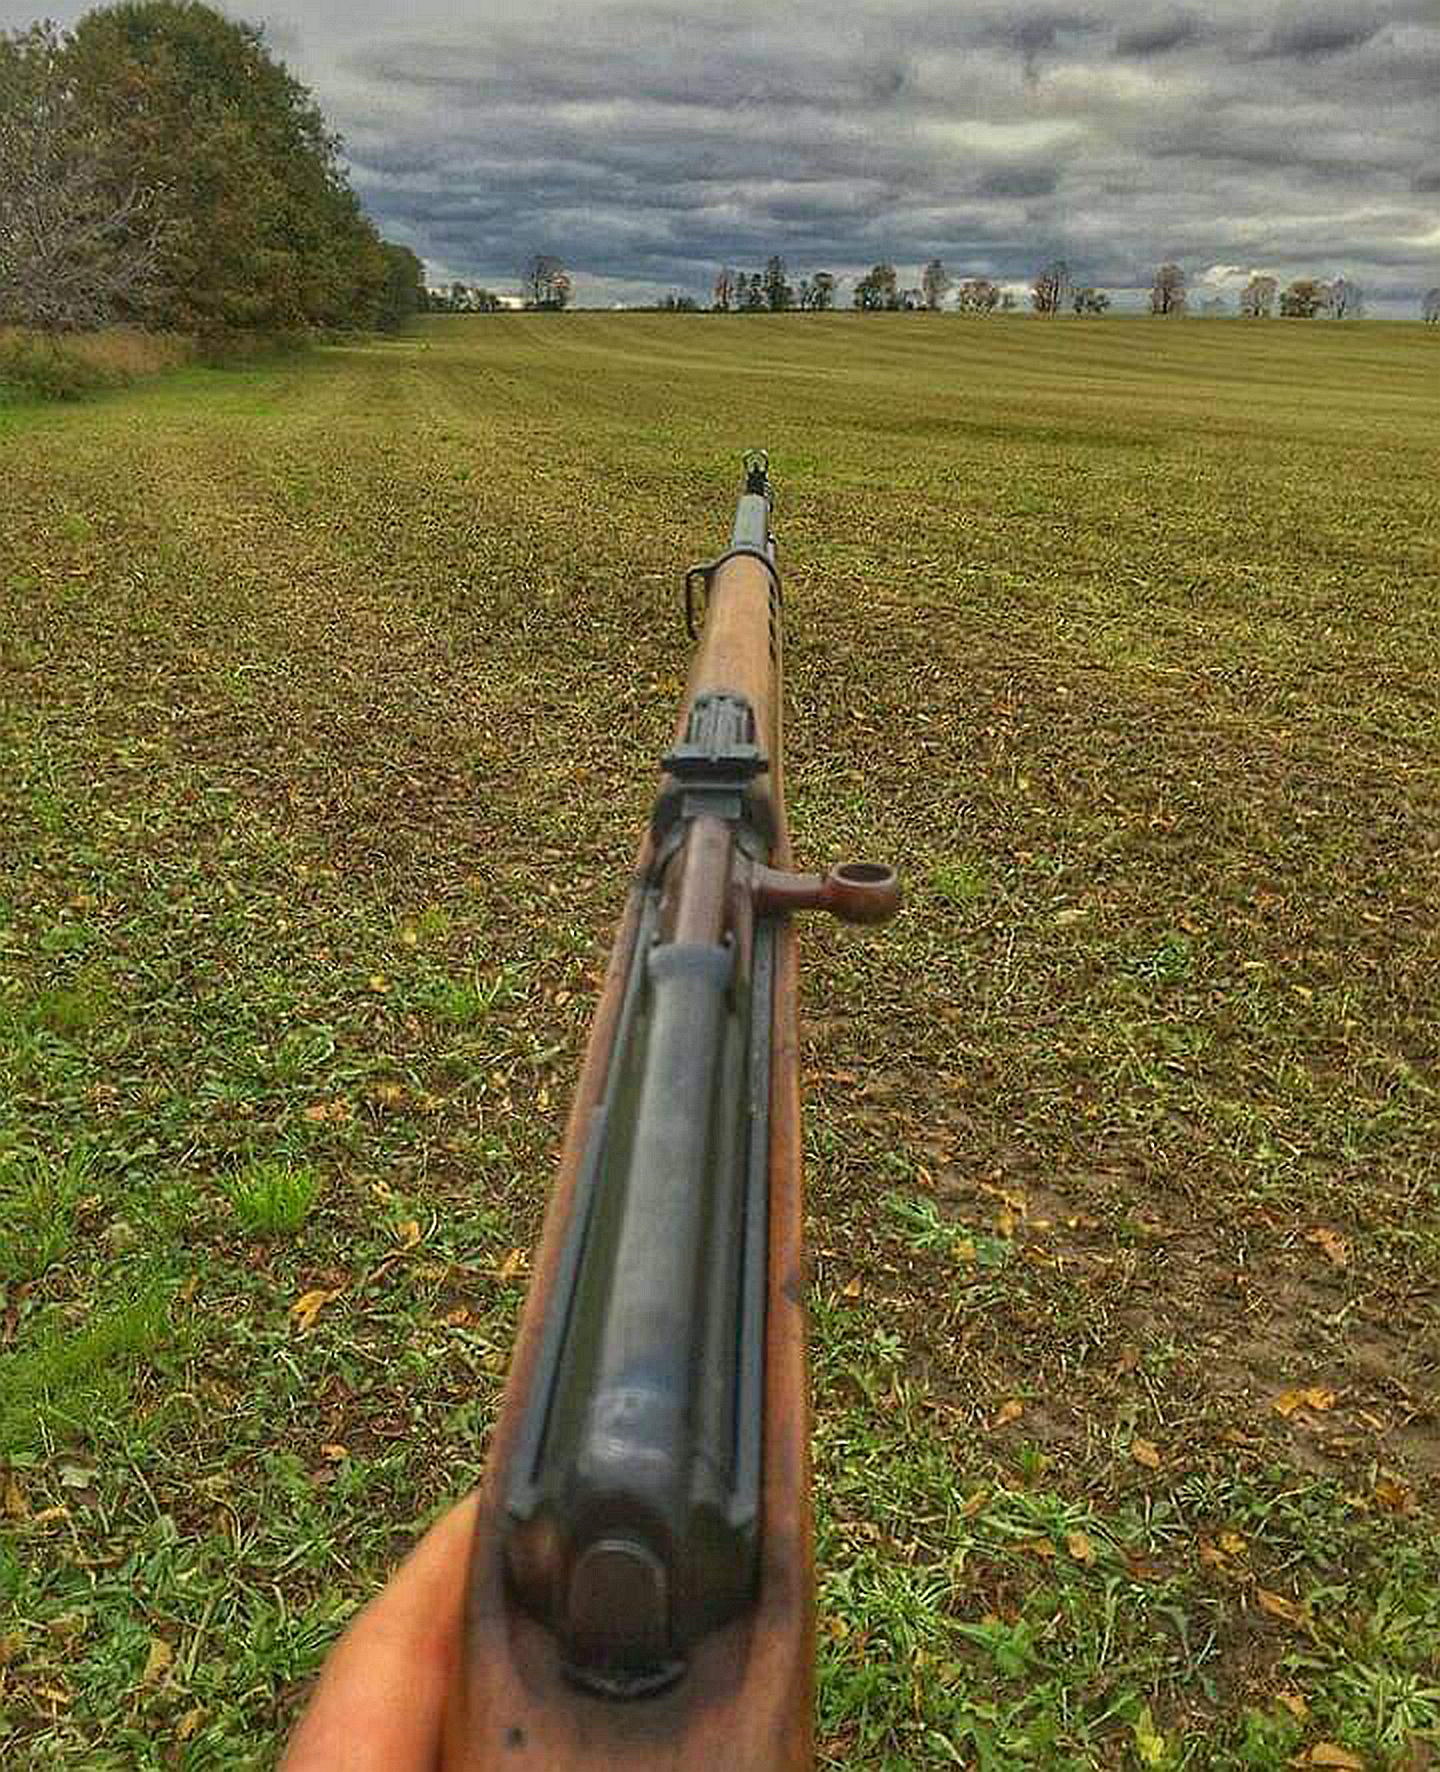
(545,283)
(462,298)
(404,293)
(676,303)
(1346,302)
(935,284)
(911,300)
(822,292)
(1257,299)
(977,295)
(1089,300)
(1167,293)
(77,249)
(1430,306)
(1008,301)
(1304,299)
(778,293)
(876,289)
(724,290)
(752,293)
(1050,287)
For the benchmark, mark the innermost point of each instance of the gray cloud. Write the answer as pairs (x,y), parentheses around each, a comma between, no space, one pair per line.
(648,143)
(1157,35)
(1319,31)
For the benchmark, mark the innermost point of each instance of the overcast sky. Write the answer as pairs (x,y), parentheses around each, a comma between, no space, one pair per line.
(647,145)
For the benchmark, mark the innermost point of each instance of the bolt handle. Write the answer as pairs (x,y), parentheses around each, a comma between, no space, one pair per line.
(855,891)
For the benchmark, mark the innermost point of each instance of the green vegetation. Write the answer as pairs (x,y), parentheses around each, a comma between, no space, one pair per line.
(272,1198)
(159,165)
(330,691)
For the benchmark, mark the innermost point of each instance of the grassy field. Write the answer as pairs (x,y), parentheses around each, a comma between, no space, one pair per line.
(330,695)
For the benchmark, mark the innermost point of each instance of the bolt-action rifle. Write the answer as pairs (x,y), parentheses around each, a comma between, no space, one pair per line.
(641,1582)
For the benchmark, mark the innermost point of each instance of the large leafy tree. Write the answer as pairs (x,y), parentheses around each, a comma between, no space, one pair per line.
(1257,298)
(877,289)
(778,293)
(935,284)
(265,231)
(1050,288)
(545,283)
(1304,299)
(77,249)
(404,292)
(1167,293)
(977,295)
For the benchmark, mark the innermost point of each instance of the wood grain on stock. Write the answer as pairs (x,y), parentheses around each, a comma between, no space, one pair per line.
(746,1702)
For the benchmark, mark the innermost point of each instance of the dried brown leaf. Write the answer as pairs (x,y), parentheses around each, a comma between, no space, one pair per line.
(156,1662)
(1394,1493)
(1278,1606)
(309,1306)
(1330,1753)
(1333,1244)
(327,1113)
(1314,1396)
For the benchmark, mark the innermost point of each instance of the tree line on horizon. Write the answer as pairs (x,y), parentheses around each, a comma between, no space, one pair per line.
(545,284)
(159,167)
(1052,290)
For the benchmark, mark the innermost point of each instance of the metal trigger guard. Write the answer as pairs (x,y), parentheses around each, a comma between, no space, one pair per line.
(706,570)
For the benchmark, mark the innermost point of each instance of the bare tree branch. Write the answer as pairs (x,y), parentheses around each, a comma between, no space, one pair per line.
(75,251)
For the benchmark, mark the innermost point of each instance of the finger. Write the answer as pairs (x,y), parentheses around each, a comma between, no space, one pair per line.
(380,1699)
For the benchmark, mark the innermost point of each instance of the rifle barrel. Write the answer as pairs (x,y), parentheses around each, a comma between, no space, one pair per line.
(641,1591)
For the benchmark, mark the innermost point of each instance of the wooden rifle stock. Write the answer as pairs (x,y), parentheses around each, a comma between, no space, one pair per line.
(642,1595)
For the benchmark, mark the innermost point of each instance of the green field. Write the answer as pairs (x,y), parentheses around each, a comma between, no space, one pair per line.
(330,699)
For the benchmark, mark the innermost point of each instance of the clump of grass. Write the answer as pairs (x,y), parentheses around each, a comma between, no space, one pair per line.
(68,1011)
(433,923)
(465,1002)
(959,882)
(38,1196)
(272,1198)
(1170,961)
(67,1379)
(44,369)
(82,363)
(923,1227)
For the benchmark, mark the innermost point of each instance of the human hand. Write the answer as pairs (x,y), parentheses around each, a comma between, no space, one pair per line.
(379,1703)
